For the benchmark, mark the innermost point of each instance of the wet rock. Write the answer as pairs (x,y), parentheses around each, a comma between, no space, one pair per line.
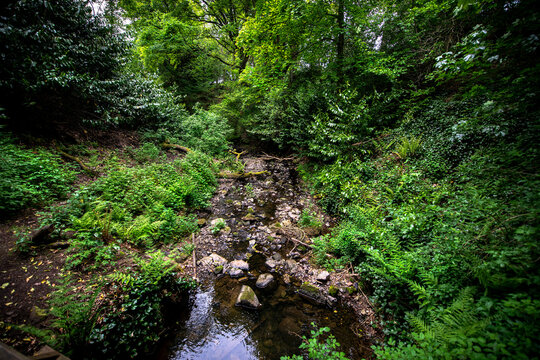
(312,293)
(288,326)
(264,280)
(249,217)
(206,261)
(291,264)
(247,298)
(331,301)
(218,260)
(213,260)
(235,273)
(217,221)
(239,264)
(295,255)
(286,223)
(287,279)
(323,276)
(271,264)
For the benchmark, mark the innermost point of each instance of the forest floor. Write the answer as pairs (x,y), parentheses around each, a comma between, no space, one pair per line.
(272,215)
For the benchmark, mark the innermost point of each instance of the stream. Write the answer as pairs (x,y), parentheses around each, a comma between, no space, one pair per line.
(260,214)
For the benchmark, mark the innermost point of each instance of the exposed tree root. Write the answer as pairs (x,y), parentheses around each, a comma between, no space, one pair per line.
(85,167)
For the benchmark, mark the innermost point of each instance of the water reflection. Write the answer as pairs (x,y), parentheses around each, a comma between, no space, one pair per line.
(207,336)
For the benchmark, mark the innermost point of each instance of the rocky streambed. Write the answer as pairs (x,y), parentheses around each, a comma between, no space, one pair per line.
(259,288)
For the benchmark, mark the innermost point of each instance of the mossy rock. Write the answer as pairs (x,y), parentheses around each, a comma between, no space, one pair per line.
(247,298)
(312,293)
(249,217)
(332,290)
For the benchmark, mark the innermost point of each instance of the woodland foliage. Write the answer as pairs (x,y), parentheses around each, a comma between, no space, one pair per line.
(417,122)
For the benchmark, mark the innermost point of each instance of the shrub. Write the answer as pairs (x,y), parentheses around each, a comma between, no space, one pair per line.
(309,218)
(148,152)
(30,177)
(133,326)
(318,350)
(206,131)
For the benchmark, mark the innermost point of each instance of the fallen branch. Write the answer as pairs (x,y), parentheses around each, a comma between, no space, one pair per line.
(228,175)
(238,154)
(85,167)
(180,148)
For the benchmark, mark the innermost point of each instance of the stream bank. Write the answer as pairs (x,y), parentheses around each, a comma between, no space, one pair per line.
(250,241)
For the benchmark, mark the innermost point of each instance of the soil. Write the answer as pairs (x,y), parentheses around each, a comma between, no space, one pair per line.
(25,283)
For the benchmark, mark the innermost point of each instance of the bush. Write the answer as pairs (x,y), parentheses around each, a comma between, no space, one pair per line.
(132,327)
(148,152)
(202,131)
(448,253)
(205,131)
(318,350)
(56,54)
(30,177)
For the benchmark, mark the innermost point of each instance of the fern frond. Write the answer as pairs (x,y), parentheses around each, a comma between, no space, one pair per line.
(122,278)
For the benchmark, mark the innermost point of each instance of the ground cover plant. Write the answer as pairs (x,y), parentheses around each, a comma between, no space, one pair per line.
(30,177)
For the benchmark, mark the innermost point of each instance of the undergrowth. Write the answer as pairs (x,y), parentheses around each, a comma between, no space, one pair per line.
(144,206)
(445,233)
(30,177)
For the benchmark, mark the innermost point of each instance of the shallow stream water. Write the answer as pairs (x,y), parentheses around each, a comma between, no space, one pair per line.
(214,328)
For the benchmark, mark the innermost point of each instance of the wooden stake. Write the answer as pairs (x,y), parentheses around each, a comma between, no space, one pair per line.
(194,257)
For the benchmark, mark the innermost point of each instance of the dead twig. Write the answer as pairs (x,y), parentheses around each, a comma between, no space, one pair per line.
(228,175)
(270,157)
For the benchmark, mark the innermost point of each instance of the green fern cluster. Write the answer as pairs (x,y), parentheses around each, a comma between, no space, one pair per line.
(408,147)
(144,206)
